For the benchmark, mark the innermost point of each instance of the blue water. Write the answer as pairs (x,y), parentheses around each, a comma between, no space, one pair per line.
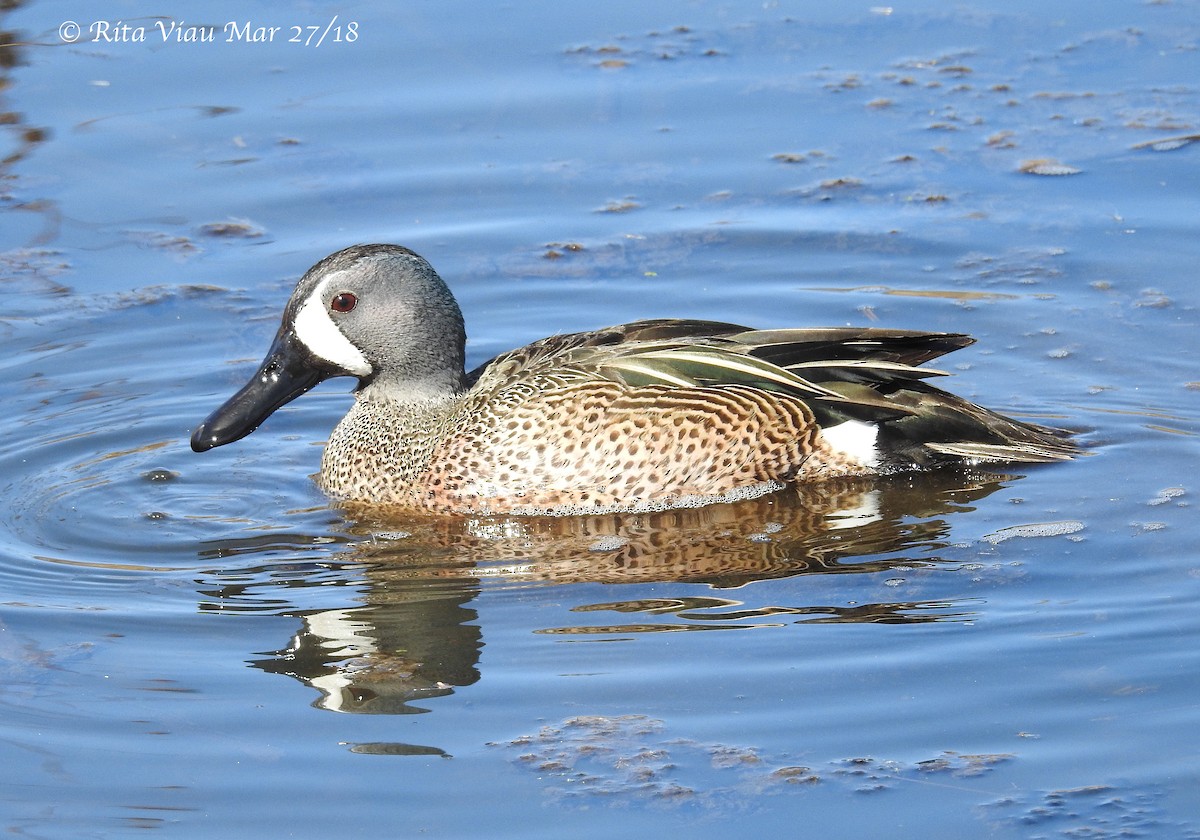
(202,644)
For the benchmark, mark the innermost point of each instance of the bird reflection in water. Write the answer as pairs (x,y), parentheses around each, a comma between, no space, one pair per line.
(415,636)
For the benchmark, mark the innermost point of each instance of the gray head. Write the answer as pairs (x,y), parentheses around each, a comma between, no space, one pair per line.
(380,312)
(376,312)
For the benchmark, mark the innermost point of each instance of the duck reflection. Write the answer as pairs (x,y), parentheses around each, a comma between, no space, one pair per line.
(415,636)
(377,658)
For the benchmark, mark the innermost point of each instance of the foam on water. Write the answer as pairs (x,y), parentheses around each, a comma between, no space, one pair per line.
(1035,529)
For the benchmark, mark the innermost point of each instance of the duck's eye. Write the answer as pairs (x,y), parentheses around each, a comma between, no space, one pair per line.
(343,302)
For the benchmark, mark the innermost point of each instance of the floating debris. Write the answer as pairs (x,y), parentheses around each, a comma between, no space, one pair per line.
(624,206)
(1094,811)
(557,250)
(1167,144)
(1047,166)
(1056,95)
(1034,529)
(216,110)
(1152,299)
(841,183)
(1166,495)
(632,757)
(181,246)
(234,229)
(1002,140)
(390,748)
(850,82)
(963,764)
(658,45)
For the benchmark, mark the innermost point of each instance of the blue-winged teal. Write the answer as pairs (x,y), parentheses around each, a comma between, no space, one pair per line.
(643,416)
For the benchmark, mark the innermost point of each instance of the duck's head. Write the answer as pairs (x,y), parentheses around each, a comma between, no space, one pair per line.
(376,312)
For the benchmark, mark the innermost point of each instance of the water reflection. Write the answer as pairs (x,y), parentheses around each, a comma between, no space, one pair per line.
(378,658)
(721,614)
(409,632)
(23,138)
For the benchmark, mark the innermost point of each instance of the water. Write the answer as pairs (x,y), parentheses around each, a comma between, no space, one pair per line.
(200,644)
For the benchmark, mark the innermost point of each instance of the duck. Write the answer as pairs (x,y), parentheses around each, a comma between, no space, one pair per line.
(645,416)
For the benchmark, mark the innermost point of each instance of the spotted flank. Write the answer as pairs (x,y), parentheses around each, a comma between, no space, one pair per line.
(637,417)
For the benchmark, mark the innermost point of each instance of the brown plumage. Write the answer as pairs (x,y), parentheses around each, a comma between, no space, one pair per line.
(642,416)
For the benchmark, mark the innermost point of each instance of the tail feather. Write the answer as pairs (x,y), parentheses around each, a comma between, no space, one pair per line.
(1026,452)
(947,427)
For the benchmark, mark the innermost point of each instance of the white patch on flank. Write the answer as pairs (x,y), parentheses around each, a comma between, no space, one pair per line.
(320,335)
(854,439)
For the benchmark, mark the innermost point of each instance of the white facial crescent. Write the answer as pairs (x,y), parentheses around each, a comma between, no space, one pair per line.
(316,331)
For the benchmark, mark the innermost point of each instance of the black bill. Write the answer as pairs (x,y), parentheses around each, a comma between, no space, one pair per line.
(286,373)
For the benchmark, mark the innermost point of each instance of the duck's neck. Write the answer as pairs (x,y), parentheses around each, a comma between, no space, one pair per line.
(384,444)
(435,386)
